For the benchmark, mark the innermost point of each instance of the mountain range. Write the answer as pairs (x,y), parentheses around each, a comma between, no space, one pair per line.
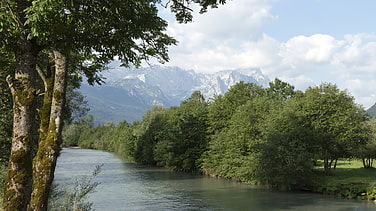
(129,92)
(372,111)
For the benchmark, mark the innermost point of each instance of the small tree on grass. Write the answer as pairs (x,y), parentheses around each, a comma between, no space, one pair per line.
(337,121)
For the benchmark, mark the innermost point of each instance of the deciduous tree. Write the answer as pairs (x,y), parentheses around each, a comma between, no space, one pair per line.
(288,150)
(367,152)
(131,30)
(280,90)
(183,137)
(336,120)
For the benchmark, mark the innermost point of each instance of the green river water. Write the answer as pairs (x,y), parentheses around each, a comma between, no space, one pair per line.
(126,186)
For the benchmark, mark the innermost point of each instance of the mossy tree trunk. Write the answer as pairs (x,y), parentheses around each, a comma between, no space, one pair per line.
(47,76)
(18,184)
(48,149)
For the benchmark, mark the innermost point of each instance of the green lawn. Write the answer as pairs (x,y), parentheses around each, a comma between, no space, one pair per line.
(349,179)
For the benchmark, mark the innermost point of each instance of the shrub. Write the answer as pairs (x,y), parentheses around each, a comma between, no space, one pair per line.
(74,198)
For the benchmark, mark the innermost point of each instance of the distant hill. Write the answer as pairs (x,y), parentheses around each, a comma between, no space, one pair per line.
(372,111)
(129,93)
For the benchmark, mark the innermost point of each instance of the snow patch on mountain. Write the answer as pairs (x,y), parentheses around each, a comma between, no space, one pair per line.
(134,91)
(140,77)
(179,83)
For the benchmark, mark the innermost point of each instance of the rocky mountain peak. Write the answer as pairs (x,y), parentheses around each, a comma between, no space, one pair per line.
(129,92)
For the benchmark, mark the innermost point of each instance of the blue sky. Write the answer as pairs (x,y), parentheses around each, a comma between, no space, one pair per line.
(333,17)
(303,42)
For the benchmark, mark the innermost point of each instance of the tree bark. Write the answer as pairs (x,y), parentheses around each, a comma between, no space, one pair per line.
(17,187)
(48,149)
(44,113)
(18,184)
(326,165)
(335,164)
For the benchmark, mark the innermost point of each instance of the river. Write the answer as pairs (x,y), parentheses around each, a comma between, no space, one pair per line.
(126,186)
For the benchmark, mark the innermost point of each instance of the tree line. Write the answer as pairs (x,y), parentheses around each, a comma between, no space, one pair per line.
(275,136)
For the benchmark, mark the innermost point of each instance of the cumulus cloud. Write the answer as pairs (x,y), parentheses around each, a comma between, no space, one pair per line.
(300,50)
(300,82)
(205,44)
(358,56)
(363,91)
(232,36)
(237,20)
(260,54)
(350,63)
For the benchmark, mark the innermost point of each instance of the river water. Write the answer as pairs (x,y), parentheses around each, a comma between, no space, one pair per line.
(126,186)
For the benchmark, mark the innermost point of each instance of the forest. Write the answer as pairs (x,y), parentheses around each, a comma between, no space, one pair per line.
(274,136)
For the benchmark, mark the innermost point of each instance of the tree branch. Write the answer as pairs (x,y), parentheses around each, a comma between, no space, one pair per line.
(182,5)
(14,16)
(42,75)
(165,5)
(10,82)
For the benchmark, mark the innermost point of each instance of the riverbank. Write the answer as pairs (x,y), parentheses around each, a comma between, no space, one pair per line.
(151,188)
(348,180)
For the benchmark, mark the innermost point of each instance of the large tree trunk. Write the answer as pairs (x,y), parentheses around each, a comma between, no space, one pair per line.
(49,145)
(18,184)
(19,180)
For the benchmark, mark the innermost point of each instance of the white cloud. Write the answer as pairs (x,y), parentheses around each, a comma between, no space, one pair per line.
(260,54)
(350,63)
(318,48)
(358,56)
(308,56)
(240,19)
(364,91)
(232,36)
(222,38)
(300,82)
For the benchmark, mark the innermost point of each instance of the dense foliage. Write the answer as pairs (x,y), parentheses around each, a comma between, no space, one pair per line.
(6,114)
(274,136)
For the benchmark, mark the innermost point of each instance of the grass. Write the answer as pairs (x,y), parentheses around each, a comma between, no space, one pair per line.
(349,179)
(351,172)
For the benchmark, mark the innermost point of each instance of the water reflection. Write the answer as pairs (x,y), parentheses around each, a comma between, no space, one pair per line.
(126,186)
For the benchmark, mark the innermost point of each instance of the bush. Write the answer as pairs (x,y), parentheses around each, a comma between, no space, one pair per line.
(74,198)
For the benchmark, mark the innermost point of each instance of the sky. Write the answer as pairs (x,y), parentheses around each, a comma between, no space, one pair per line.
(302,42)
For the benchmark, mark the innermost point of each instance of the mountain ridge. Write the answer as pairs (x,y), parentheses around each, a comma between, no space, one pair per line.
(129,92)
(372,111)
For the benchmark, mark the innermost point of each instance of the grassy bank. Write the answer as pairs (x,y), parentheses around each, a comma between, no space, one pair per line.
(349,180)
